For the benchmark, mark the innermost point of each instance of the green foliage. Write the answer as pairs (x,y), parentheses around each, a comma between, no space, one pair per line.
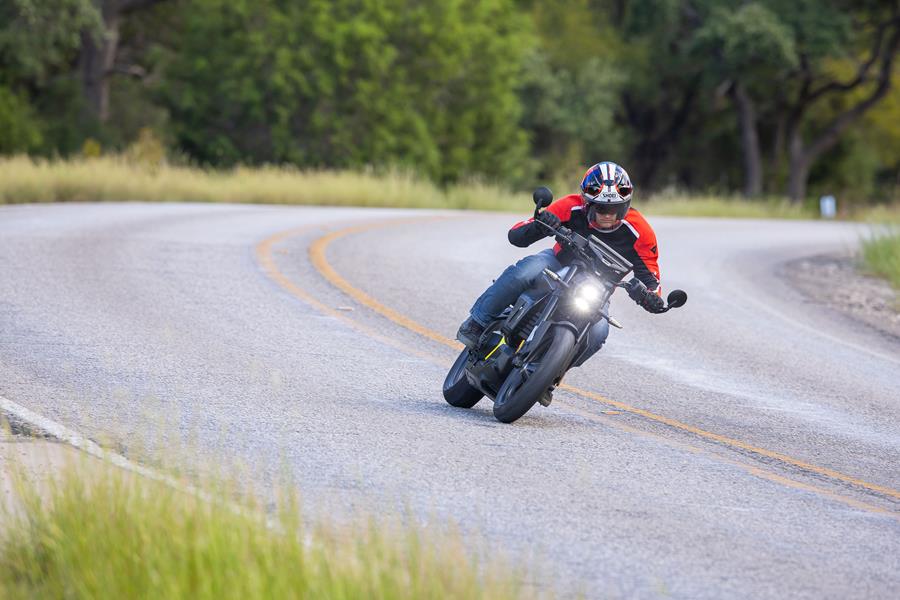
(746,41)
(570,90)
(39,44)
(40,37)
(429,85)
(821,29)
(881,129)
(19,130)
(505,91)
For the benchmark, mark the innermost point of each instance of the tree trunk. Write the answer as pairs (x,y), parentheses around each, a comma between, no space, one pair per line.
(97,59)
(98,56)
(800,162)
(775,179)
(753,170)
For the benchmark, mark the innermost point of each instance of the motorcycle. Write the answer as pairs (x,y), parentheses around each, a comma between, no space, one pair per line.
(522,356)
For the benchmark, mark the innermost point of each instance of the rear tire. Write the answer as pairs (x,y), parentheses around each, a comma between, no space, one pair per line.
(520,391)
(458,391)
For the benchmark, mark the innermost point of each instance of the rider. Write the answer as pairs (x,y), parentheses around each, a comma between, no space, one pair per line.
(601,209)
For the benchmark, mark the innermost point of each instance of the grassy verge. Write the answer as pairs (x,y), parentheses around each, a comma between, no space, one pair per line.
(23,179)
(117,178)
(735,208)
(108,534)
(881,255)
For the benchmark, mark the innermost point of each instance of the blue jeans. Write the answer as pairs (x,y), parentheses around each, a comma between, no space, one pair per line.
(516,279)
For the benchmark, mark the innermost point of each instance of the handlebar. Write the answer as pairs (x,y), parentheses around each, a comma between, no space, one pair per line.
(563,232)
(579,243)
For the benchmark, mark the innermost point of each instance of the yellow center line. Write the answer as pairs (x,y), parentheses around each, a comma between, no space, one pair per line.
(267,262)
(317,254)
(317,257)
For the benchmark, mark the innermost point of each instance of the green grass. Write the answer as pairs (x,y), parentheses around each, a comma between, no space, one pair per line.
(109,534)
(134,176)
(881,255)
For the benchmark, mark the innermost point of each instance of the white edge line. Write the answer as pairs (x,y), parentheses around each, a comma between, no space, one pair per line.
(66,435)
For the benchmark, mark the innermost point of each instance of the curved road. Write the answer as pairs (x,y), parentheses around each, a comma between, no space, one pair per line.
(747,445)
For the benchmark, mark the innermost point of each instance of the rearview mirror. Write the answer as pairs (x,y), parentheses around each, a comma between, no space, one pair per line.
(676,298)
(542,197)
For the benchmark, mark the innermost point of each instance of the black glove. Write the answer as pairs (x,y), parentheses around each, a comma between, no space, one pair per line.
(646,299)
(548,218)
(636,289)
(652,303)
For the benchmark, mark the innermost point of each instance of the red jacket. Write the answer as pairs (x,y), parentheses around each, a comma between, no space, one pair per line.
(634,239)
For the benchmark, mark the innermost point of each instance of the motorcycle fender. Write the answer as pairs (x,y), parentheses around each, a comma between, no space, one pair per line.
(534,340)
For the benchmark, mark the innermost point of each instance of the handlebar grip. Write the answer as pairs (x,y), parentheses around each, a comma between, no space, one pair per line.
(635,288)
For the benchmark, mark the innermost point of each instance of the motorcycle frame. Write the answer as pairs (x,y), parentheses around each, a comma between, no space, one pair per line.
(489,375)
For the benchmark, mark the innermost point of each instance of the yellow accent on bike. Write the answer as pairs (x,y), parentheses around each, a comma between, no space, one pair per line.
(522,343)
(497,347)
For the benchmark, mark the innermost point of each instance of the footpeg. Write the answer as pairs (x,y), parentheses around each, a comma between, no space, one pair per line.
(546,398)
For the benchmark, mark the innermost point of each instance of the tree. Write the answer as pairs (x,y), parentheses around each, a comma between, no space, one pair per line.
(97,60)
(570,91)
(747,47)
(429,85)
(38,38)
(663,82)
(39,41)
(19,128)
(869,34)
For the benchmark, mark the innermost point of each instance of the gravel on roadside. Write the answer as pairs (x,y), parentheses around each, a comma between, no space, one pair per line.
(837,282)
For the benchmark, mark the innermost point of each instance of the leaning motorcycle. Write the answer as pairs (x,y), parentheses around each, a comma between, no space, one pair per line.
(523,355)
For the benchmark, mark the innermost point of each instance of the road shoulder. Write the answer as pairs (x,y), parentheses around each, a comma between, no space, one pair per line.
(38,460)
(835,281)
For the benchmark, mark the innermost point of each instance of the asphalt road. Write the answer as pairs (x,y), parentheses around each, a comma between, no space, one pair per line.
(747,445)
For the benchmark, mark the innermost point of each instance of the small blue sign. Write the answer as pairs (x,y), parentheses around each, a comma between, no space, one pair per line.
(828,207)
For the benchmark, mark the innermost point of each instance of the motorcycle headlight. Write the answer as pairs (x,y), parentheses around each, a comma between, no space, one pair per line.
(582,304)
(589,292)
(586,297)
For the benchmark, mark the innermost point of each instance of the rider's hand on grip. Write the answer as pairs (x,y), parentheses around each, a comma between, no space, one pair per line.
(636,289)
(652,303)
(549,219)
(646,299)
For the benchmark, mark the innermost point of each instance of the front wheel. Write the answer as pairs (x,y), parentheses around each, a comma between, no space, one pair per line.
(457,389)
(525,385)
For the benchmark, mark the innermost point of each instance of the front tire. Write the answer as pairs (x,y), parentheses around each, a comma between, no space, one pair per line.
(524,386)
(458,391)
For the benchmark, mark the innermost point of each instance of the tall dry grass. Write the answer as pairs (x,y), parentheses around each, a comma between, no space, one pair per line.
(148,177)
(725,207)
(25,179)
(104,533)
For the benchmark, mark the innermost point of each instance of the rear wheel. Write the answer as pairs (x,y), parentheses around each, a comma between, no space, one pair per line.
(457,389)
(525,385)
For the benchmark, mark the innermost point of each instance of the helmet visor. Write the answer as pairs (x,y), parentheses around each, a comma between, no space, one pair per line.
(609,208)
(616,209)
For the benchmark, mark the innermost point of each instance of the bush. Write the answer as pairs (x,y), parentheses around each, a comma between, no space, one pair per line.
(19,128)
